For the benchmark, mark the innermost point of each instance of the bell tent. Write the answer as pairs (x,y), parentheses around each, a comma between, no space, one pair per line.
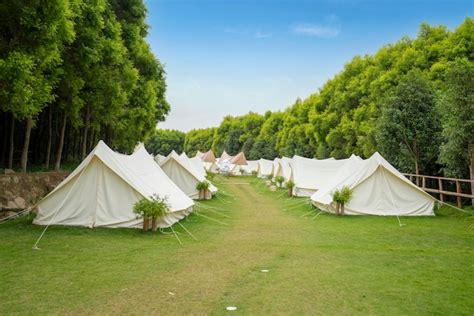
(378,189)
(184,175)
(102,190)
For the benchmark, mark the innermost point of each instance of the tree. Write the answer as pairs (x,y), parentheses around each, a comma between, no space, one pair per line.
(199,139)
(409,128)
(33,35)
(457,110)
(163,141)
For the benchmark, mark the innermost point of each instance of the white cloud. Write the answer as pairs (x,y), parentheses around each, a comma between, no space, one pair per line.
(262,34)
(329,28)
(315,30)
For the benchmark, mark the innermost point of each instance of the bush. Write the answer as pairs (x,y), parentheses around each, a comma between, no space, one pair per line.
(290,185)
(153,208)
(202,187)
(342,196)
(279,180)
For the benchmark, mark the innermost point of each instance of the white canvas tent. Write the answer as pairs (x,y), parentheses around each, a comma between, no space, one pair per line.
(378,189)
(196,163)
(102,190)
(284,168)
(310,175)
(184,175)
(211,167)
(199,154)
(265,168)
(159,158)
(276,166)
(252,166)
(225,158)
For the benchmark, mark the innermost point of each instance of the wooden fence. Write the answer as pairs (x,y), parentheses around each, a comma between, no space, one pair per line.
(445,187)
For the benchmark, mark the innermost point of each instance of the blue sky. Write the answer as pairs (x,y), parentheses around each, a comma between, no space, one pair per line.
(231,57)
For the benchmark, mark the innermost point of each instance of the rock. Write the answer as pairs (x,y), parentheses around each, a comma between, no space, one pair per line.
(9,171)
(268,182)
(273,188)
(20,202)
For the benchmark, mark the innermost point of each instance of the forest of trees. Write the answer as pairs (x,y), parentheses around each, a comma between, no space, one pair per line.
(413,101)
(73,72)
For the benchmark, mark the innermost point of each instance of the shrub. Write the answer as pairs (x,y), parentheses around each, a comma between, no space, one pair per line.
(342,196)
(279,180)
(290,185)
(153,208)
(202,187)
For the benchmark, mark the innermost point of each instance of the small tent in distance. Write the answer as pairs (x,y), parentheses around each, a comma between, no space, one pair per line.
(102,190)
(184,175)
(265,168)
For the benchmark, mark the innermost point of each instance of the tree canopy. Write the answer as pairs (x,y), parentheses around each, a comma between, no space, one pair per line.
(73,72)
(416,92)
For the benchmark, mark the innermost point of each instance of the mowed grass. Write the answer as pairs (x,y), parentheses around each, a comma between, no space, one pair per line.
(317,265)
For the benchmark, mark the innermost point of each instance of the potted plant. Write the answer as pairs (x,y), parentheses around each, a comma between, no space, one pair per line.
(142,209)
(279,180)
(341,197)
(159,208)
(203,188)
(290,185)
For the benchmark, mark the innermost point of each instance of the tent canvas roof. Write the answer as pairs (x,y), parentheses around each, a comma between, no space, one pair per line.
(209,156)
(265,168)
(252,166)
(378,189)
(225,157)
(239,159)
(184,174)
(310,175)
(101,191)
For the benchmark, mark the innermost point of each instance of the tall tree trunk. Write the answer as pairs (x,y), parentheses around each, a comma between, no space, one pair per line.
(5,141)
(470,149)
(86,131)
(417,172)
(26,144)
(50,137)
(12,144)
(59,151)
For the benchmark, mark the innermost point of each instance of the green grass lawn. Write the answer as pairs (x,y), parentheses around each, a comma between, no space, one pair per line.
(317,265)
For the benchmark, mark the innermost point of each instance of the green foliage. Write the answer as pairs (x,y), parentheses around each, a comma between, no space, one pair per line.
(202,186)
(457,108)
(199,139)
(279,180)
(155,207)
(342,195)
(163,141)
(81,68)
(289,184)
(409,128)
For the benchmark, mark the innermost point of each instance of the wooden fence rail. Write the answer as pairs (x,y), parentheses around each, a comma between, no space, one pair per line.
(442,187)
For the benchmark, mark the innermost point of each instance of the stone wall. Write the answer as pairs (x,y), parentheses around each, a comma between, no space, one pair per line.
(22,190)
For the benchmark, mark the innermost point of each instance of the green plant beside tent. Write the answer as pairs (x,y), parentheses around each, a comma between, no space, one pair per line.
(203,188)
(290,185)
(151,209)
(341,197)
(279,180)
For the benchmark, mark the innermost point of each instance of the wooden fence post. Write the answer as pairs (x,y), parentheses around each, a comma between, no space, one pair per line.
(458,191)
(440,184)
(423,182)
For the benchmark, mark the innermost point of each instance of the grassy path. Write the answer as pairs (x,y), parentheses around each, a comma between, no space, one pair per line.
(332,265)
